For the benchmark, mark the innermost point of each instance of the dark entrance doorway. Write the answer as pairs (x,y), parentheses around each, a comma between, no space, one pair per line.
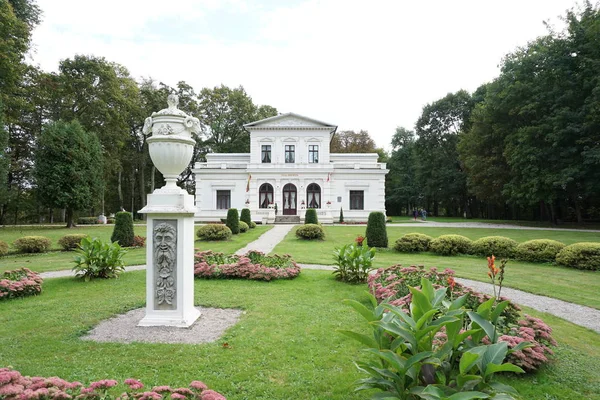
(289,199)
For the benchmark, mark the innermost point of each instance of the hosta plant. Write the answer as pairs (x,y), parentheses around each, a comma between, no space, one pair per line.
(98,259)
(353,263)
(409,361)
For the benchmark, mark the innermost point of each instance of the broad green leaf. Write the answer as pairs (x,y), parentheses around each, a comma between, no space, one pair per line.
(458,303)
(466,362)
(364,339)
(468,396)
(485,308)
(420,303)
(468,382)
(507,367)
(361,309)
(484,324)
(427,289)
(425,317)
(498,310)
(494,354)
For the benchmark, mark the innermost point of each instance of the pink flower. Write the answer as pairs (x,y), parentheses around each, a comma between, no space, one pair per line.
(150,396)
(160,389)
(11,390)
(212,395)
(198,385)
(178,396)
(134,384)
(103,384)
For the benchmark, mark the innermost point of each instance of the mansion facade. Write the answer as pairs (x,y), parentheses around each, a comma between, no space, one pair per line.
(289,169)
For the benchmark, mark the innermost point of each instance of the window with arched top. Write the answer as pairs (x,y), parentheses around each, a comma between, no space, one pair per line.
(265,193)
(313,196)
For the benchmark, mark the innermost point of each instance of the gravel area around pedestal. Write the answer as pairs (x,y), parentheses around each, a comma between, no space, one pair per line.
(211,325)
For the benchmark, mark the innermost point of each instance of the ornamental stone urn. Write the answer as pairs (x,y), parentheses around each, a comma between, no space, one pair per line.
(170,221)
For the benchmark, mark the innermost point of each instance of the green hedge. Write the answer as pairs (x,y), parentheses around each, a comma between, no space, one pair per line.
(32,244)
(214,232)
(498,246)
(585,255)
(310,232)
(3,248)
(376,230)
(88,220)
(233,220)
(449,245)
(310,217)
(246,216)
(70,242)
(413,242)
(539,250)
(123,230)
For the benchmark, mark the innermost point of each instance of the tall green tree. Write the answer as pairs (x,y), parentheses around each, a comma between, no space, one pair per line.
(402,192)
(4,158)
(68,167)
(440,175)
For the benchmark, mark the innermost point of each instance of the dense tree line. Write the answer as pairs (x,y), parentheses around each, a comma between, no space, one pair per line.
(92,98)
(524,146)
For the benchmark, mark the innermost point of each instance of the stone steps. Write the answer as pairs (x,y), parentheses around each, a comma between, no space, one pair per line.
(287,219)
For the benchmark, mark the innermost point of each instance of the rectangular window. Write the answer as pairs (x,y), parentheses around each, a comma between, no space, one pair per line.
(290,153)
(313,153)
(357,200)
(266,154)
(223,199)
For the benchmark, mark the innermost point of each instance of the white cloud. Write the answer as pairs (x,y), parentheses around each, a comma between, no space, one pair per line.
(361,65)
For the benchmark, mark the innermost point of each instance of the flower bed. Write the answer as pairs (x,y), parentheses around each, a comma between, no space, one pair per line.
(253,265)
(20,283)
(15,386)
(391,285)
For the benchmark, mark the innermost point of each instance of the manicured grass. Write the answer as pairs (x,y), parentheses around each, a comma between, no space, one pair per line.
(58,260)
(580,287)
(284,347)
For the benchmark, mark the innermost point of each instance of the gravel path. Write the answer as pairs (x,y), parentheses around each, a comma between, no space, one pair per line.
(268,240)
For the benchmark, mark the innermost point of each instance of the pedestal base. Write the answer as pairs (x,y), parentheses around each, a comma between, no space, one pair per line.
(166,318)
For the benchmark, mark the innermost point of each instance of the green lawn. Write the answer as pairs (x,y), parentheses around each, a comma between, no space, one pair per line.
(57,260)
(285,346)
(580,287)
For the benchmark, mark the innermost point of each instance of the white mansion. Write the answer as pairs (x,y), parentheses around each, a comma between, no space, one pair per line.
(288,170)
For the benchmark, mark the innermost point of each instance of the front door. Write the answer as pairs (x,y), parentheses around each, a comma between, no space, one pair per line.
(289,199)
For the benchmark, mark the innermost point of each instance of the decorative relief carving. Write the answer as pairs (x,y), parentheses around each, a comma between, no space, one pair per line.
(165,264)
(290,121)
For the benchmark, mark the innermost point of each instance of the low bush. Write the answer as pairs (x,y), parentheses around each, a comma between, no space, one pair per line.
(449,245)
(498,246)
(253,265)
(98,259)
(123,230)
(243,227)
(233,220)
(70,242)
(413,243)
(388,220)
(246,216)
(20,283)
(353,263)
(252,225)
(310,232)
(3,248)
(88,220)
(310,217)
(538,250)
(214,232)
(13,385)
(376,230)
(110,220)
(32,244)
(585,255)
(139,241)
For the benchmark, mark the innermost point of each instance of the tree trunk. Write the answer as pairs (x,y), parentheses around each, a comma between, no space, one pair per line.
(70,223)
(63,215)
(119,191)
(577,210)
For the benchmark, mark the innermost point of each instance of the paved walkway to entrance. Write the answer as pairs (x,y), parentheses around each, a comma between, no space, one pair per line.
(581,315)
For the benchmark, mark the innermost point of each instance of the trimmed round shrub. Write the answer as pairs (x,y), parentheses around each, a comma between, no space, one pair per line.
(123,230)
(243,227)
(585,255)
(3,248)
(233,220)
(539,250)
(310,232)
(376,230)
(252,225)
(246,217)
(341,215)
(70,242)
(449,245)
(498,246)
(32,244)
(413,243)
(214,232)
(311,217)
(88,220)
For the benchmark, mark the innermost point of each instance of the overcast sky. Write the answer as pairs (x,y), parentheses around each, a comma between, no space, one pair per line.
(368,65)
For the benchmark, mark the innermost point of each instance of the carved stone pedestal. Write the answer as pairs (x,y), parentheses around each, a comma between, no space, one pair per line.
(170,259)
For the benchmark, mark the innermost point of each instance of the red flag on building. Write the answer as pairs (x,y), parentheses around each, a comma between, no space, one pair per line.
(328,176)
(248,184)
